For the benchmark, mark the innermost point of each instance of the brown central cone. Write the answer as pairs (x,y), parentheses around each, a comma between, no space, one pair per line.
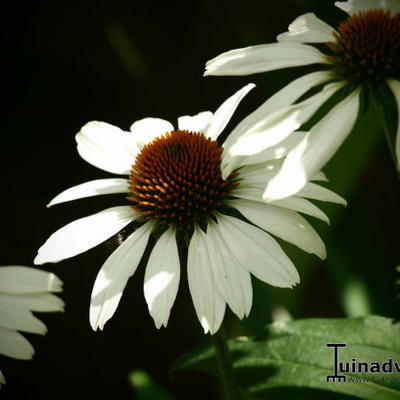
(177,179)
(367,47)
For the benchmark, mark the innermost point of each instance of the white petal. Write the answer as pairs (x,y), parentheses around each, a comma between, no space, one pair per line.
(395,87)
(195,123)
(114,274)
(317,192)
(283,98)
(391,5)
(92,188)
(232,279)
(258,120)
(316,149)
(85,233)
(107,147)
(225,111)
(161,280)
(276,152)
(2,379)
(249,193)
(208,303)
(13,316)
(285,224)
(319,176)
(352,7)
(22,280)
(258,252)
(13,344)
(262,58)
(147,129)
(276,127)
(308,29)
(303,206)
(295,203)
(259,174)
(43,302)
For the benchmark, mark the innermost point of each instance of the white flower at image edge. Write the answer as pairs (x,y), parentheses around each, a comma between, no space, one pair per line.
(176,186)
(23,290)
(364,52)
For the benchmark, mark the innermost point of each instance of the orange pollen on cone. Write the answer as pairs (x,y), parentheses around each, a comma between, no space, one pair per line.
(367,47)
(177,179)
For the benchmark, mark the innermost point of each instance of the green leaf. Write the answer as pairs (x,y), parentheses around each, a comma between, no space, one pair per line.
(293,355)
(146,388)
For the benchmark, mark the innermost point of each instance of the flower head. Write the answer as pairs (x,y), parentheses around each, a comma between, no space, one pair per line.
(23,290)
(363,54)
(184,189)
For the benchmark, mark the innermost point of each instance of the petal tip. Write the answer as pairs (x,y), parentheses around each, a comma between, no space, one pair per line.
(39,260)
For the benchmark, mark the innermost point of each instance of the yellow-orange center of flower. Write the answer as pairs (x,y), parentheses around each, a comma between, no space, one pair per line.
(177,179)
(367,47)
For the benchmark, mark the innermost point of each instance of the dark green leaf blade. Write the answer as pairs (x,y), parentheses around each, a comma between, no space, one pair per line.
(294,354)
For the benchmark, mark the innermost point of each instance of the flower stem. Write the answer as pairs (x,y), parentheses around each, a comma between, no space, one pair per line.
(390,145)
(225,367)
(388,114)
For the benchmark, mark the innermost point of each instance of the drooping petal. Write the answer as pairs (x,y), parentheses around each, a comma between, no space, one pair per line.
(292,203)
(232,279)
(107,147)
(317,192)
(15,279)
(43,302)
(352,7)
(276,152)
(262,58)
(395,87)
(161,280)
(285,224)
(225,111)
(85,233)
(308,29)
(316,149)
(147,129)
(14,316)
(303,206)
(195,123)
(92,188)
(258,252)
(114,274)
(2,379)
(283,98)
(13,344)
(207,301)
(276,127)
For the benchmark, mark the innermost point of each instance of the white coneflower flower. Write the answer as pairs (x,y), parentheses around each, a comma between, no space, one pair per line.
(23,290)
(363,54)
(176,191)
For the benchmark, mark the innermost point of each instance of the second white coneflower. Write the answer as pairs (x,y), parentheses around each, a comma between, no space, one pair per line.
(176,192)
(363,54)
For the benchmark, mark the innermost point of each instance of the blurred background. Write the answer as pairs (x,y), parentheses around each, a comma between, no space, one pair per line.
(68,62)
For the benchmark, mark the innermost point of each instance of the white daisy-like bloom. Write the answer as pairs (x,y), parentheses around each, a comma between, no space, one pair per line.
(362,54)
(176,193)
(24,290)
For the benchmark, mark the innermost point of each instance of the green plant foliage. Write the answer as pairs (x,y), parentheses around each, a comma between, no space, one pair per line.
(145,388)
(293,355)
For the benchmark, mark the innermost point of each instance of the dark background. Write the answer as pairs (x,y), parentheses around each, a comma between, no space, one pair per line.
(69,62)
